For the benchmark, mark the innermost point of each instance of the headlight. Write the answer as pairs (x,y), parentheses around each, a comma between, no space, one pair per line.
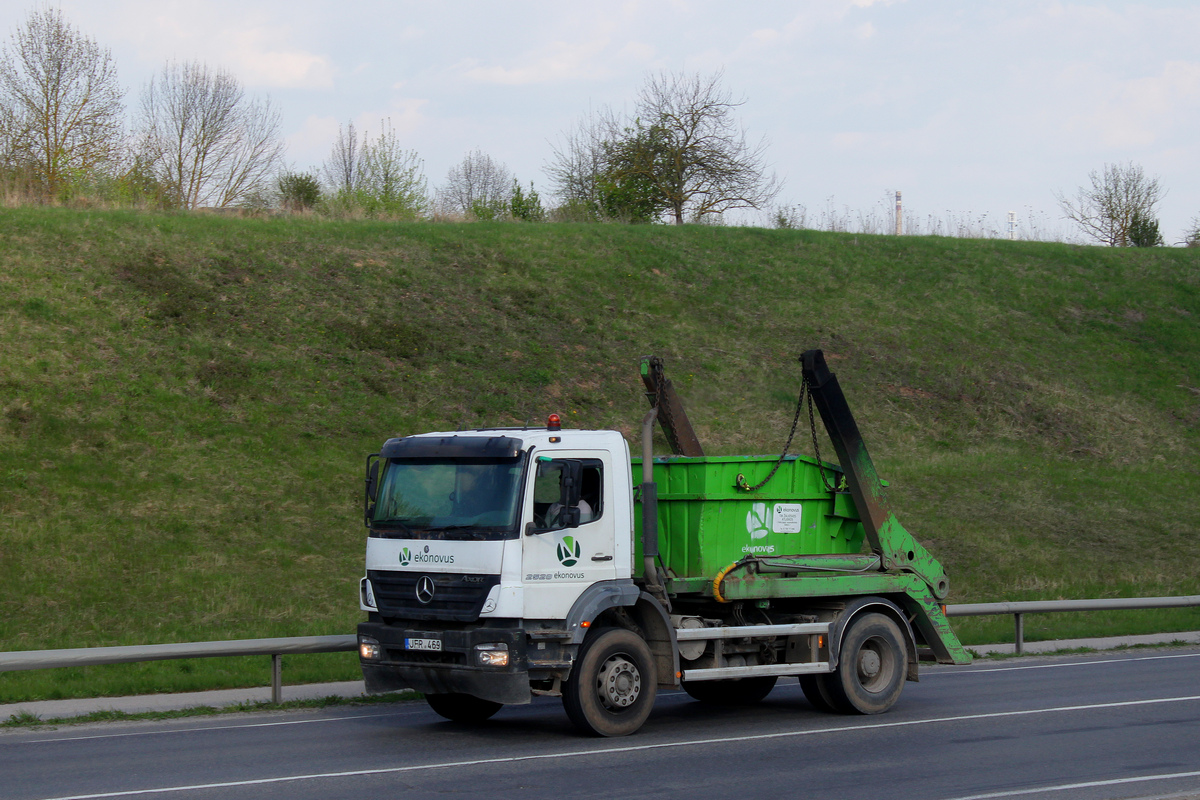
(369,649)
(492,654)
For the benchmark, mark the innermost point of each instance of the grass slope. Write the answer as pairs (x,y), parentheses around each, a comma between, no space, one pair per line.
(186,402)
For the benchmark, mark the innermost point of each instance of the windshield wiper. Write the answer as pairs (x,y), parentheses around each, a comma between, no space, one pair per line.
(388,523)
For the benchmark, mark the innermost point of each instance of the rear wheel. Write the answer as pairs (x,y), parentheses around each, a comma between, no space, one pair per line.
(871,667)
(462,707)
(816,691)
(737,692)
(611,689)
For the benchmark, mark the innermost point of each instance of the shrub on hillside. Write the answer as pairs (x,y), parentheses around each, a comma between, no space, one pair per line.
(1143,231)
(298,191)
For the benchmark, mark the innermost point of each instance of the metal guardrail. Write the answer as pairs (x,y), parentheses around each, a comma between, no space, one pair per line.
(1020,608)
(277,648)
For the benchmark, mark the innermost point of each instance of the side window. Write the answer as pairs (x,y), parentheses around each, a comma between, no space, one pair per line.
(548,492)
(591,494)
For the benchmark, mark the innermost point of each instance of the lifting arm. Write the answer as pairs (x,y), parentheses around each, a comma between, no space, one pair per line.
(888,539)
(671,416)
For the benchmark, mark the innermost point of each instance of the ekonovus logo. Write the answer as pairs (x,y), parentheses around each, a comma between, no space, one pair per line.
(569,551)
(758,520)
(405,557)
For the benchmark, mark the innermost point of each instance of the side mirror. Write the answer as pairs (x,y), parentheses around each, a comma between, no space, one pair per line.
(572,482)
(371,488)
(570,517)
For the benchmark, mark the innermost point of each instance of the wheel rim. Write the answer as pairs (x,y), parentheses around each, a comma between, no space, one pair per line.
(619,683)
(874,665)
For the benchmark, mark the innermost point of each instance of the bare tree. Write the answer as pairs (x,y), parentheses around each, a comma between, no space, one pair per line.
(478,187)
(62,109)
(342,168)
(1119,197)
(209,143)
(696,156)
(580,161)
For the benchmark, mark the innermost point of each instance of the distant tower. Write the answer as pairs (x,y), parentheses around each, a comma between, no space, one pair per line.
(1012,225)
(899,216)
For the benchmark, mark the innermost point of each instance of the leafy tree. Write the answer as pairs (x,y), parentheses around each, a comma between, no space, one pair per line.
(681,154)
(626,189)
(477,187)
(526,207)
(62,109)
(1106,209)
(375,176)
(209,143)
(391,180)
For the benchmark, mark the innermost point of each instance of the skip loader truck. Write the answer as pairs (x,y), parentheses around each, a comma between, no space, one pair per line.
(507,563)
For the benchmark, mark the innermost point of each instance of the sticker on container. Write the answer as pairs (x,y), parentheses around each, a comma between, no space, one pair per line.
(786,518)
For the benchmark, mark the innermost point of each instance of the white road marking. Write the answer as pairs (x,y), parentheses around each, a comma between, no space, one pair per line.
(626,749)
(1087,785)
(978,670)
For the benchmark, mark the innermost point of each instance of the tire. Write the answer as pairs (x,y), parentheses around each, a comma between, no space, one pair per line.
(612,686)
(871,669)
(816,691)
(736,692)
(462,707)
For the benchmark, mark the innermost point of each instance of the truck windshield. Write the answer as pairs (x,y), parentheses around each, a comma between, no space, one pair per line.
(448,498)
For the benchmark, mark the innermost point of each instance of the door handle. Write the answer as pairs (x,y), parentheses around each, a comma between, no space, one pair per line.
(599,557)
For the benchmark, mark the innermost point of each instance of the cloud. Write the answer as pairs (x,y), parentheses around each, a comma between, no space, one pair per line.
(313,141)
(1140,112)
(258,62)
(560,61)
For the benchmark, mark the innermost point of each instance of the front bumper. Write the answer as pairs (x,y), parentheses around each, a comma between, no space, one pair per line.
(451,670)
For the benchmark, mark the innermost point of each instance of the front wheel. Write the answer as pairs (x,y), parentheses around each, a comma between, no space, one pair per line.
(462,707)
(871,667)
(612,686)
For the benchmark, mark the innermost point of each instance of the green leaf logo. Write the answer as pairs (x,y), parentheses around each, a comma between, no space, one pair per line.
(568,551)
(758,521)
(405,557)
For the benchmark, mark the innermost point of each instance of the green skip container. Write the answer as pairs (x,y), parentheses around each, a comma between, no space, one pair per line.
(706,522)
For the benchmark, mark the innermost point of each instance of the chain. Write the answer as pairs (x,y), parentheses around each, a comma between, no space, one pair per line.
(812,426)
(805,391)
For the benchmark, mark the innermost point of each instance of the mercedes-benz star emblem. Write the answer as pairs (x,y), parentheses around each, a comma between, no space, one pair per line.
(425,589)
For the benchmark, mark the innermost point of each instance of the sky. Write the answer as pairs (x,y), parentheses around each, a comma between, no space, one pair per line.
(972,110)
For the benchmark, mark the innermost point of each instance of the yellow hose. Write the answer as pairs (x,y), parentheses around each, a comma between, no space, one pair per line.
(720,577)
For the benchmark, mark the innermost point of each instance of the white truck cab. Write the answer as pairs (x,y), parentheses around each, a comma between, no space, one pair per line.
(489,552)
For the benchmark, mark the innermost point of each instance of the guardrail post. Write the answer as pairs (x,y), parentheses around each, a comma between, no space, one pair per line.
(1019,619)
(276,679)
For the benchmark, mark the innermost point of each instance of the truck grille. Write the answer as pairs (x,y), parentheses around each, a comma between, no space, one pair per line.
(457,597)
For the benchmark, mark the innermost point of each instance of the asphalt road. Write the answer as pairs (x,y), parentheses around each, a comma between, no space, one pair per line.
(1095,726)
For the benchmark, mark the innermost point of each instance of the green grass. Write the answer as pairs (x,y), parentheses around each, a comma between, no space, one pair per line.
(186,402)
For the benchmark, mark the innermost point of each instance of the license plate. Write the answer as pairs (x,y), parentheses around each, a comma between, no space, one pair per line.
(423,644)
